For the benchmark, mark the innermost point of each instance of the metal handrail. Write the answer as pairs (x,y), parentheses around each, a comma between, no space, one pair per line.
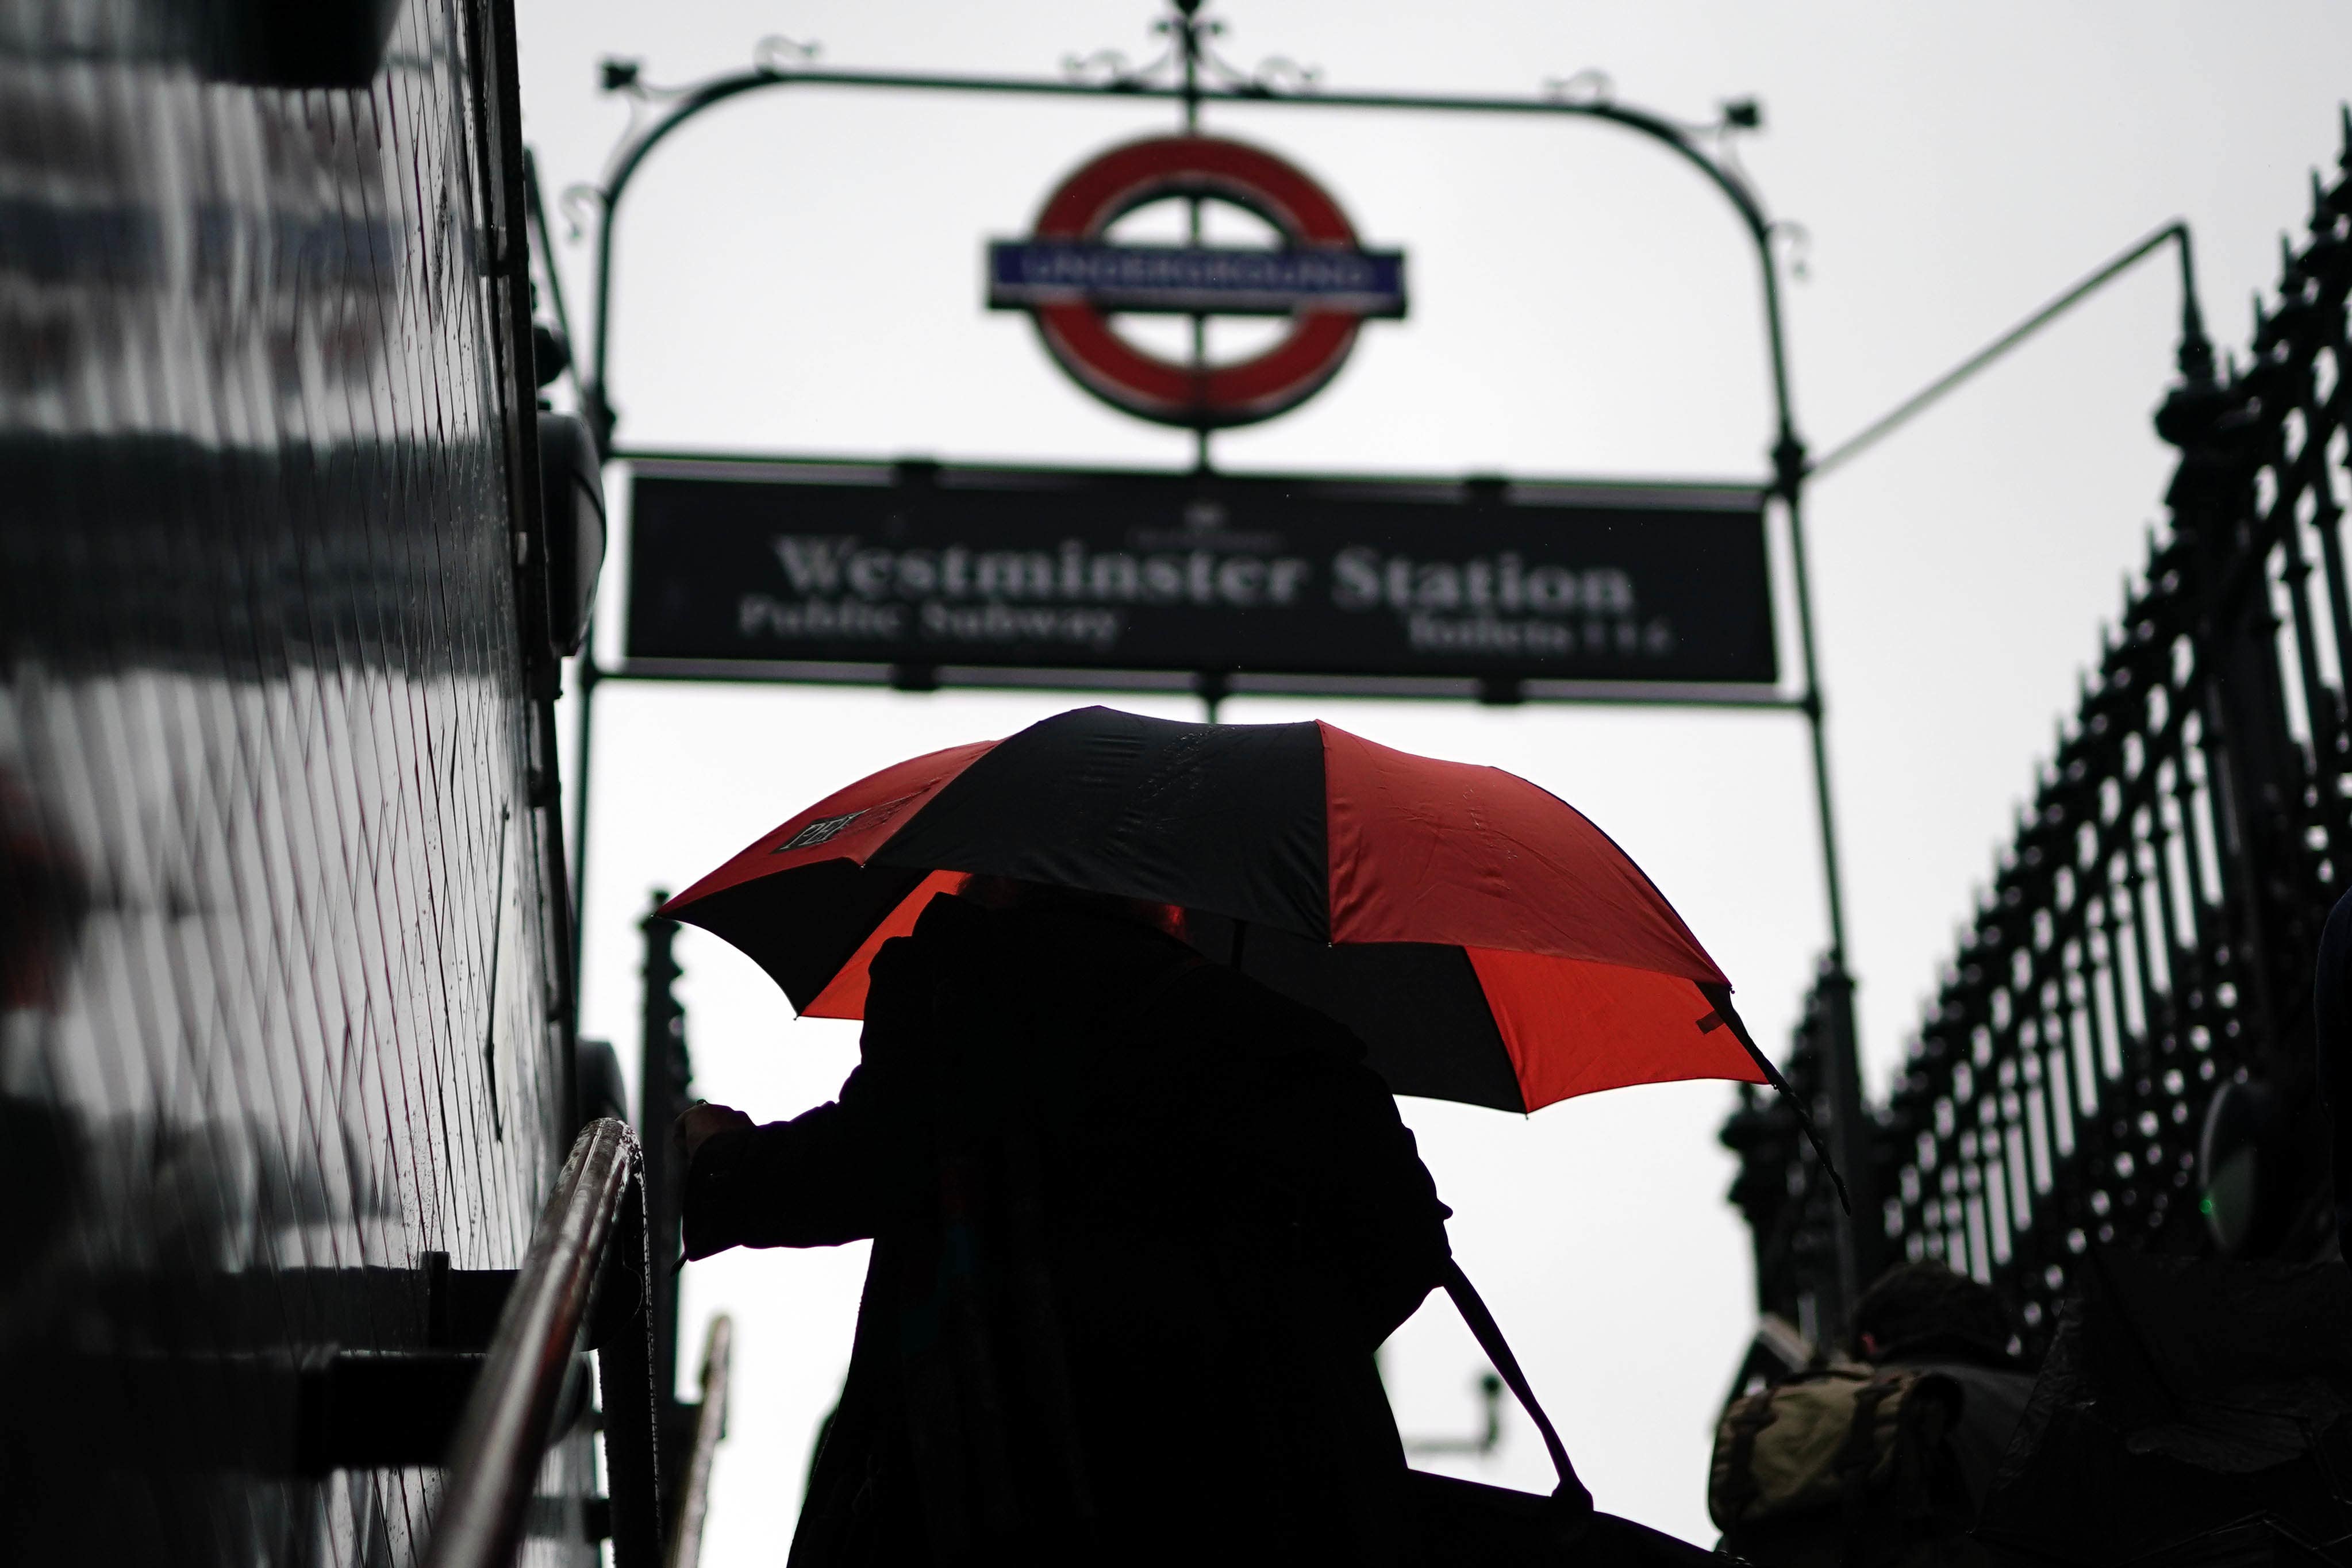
(709,1427)
(591,1227)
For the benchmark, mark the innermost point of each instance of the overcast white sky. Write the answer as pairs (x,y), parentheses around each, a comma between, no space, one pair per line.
(799,273)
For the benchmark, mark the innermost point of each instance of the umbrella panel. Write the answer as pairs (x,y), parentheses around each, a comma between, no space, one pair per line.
(847,825)
(804,926)
(1426,850)
(1417,1006)
(1226,816)
(1576,1028)
(845,996)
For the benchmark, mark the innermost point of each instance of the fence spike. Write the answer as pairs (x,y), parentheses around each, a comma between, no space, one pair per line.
(2344,114)
(2322,220)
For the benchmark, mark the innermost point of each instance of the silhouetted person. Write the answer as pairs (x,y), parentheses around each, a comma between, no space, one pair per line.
(1883,1460)
(1139,1224)
(1926,1316)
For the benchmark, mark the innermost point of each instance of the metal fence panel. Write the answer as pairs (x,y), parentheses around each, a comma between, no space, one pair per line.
(2147,941)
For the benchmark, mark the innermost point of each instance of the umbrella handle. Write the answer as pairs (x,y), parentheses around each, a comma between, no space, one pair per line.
(1489,1335)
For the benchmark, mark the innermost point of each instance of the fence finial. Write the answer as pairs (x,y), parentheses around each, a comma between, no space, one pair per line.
(2344,114)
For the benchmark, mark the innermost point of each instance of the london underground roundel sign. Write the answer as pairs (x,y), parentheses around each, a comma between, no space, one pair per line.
(1073,281)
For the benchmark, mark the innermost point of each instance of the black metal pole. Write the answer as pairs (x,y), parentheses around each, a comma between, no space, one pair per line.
(630,1402)
(597,406)
(665,1084)
(535,210)
(1858,1229)
(2196,351)
(1188,27)
(587,675)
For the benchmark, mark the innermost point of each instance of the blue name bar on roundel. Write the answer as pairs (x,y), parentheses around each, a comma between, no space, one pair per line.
(1194,280)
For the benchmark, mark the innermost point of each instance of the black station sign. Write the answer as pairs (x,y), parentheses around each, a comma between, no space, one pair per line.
(788,564)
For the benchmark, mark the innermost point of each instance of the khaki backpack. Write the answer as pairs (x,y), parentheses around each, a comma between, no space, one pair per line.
(1847,1467)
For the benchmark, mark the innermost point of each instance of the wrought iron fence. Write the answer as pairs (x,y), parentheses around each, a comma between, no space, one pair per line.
(2120,1051)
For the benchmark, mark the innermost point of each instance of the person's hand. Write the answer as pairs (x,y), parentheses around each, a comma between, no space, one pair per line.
(700,1122)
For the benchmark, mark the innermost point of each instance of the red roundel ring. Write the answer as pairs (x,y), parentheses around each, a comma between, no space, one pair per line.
(1079,335)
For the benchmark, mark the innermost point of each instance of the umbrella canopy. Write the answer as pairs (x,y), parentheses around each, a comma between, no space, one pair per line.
(1487,942)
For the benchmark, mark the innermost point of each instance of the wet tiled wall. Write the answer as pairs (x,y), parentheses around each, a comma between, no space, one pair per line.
(281,1002)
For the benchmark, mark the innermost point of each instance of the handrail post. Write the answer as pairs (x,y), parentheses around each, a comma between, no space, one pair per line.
(625,1386)
(709,1427)
(665,1089)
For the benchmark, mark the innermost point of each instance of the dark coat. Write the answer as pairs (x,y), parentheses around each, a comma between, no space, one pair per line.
(1992,1402)
(1140,1226)
(2331,1007)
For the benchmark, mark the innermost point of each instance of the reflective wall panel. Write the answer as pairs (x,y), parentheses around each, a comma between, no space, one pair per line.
(282,1047)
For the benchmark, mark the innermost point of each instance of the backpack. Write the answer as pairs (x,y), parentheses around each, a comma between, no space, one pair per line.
(1845,1467)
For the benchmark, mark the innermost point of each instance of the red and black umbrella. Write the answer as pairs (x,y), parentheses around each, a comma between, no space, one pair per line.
(1486,941)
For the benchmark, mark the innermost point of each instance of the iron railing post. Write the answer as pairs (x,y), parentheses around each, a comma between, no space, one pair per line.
(625,1383)
(693,1505)
(665,1083)
(2257,764)
(1860,1233)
